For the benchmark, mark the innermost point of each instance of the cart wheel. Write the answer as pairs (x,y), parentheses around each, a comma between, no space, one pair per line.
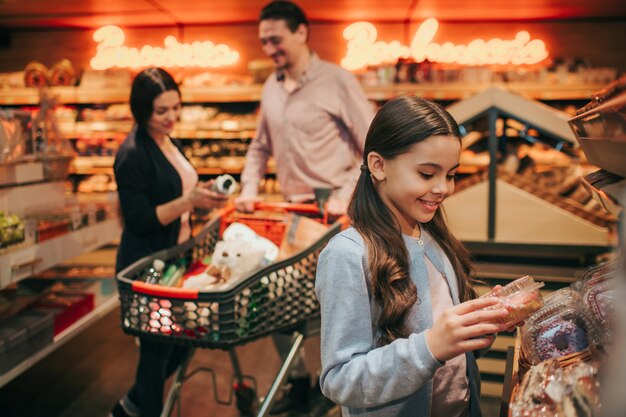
(246,399)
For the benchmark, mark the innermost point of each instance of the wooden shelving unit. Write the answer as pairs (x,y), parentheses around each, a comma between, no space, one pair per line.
(251,93)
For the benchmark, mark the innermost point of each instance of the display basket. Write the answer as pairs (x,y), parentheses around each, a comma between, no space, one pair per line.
(278,297)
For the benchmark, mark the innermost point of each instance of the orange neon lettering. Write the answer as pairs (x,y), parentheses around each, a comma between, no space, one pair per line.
(364,49)
(111,52)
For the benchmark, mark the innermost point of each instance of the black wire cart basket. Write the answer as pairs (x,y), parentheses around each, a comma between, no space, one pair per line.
(278,298)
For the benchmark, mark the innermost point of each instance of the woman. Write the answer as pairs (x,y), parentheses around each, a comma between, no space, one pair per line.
(158,188)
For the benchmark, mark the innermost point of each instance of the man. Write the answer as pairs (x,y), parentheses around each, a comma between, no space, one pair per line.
(314,118)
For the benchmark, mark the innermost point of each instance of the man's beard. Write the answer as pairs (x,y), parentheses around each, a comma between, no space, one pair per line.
(284,66)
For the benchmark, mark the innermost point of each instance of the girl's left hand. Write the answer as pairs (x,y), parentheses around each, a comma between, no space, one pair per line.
(494,292)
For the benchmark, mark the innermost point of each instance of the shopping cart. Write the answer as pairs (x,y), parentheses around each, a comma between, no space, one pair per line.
(278,298)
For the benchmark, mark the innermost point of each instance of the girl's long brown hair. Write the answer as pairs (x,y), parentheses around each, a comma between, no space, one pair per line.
(398,125)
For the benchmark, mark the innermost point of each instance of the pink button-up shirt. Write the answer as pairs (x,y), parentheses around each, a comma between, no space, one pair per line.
(316,133)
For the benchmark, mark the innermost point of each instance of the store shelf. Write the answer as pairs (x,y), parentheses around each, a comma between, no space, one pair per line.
(252,93)
(12,175)
(456,91)
(28,197)
(510,271)
(213,134)
(98,165)
(107,305)
(91,170)
(525,109)
(520,218)
(21,263)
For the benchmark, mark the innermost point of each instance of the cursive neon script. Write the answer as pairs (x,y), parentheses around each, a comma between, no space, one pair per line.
(111,52)
(363,49)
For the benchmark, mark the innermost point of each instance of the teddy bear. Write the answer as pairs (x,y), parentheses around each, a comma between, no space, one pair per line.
(232,261)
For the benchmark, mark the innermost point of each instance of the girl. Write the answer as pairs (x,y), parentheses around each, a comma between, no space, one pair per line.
(158,188)
(399,323)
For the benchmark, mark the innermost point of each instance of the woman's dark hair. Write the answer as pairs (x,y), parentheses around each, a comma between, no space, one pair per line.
(284,10)
(148,85)
(398,125)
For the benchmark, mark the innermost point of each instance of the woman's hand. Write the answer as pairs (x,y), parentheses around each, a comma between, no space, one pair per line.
(201,196)
(463,328)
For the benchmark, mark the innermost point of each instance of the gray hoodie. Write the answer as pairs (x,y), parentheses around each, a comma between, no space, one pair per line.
(366,380)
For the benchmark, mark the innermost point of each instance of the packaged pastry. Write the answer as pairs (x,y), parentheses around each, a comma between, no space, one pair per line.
(562,327)
(600,299)
(520,298)
(535,396)
(600,272)
(550,389)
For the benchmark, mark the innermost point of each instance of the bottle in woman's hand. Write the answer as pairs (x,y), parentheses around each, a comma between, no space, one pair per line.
(201,196)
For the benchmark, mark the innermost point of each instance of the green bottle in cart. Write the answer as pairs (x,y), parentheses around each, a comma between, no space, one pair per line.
(259,295)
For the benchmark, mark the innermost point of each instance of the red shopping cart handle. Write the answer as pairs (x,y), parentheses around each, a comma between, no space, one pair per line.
(300,208)
(164,292)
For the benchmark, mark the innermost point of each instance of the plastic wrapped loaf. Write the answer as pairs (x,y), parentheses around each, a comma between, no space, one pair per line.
(521,298)
(562,327)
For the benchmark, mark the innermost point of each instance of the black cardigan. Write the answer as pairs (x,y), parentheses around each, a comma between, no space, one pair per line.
(145,179)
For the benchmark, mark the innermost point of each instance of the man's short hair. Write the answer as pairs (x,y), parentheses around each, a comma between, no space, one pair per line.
(284,10)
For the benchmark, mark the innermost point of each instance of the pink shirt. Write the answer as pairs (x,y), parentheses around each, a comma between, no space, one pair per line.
(450,391)
(316,133)
(189,179)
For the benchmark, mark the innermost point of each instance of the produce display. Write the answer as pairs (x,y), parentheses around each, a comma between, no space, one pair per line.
(11,229)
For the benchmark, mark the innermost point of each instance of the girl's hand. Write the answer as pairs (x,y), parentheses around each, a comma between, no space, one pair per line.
(201,196)
(494,292)
(463,328)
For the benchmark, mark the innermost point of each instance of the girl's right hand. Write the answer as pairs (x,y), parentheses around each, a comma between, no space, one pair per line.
(201,196)
(461,328)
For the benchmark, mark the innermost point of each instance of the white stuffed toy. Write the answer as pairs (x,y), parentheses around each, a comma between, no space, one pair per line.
(232,260)
(241,232)
(236,259)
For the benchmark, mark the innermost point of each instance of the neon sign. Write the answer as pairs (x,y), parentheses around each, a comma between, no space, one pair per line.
(111,52)
(364,49)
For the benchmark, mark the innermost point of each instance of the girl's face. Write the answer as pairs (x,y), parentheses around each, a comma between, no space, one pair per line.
(165,113)
(414,184)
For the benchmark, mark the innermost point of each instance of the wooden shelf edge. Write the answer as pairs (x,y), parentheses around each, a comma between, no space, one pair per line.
(252,93)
